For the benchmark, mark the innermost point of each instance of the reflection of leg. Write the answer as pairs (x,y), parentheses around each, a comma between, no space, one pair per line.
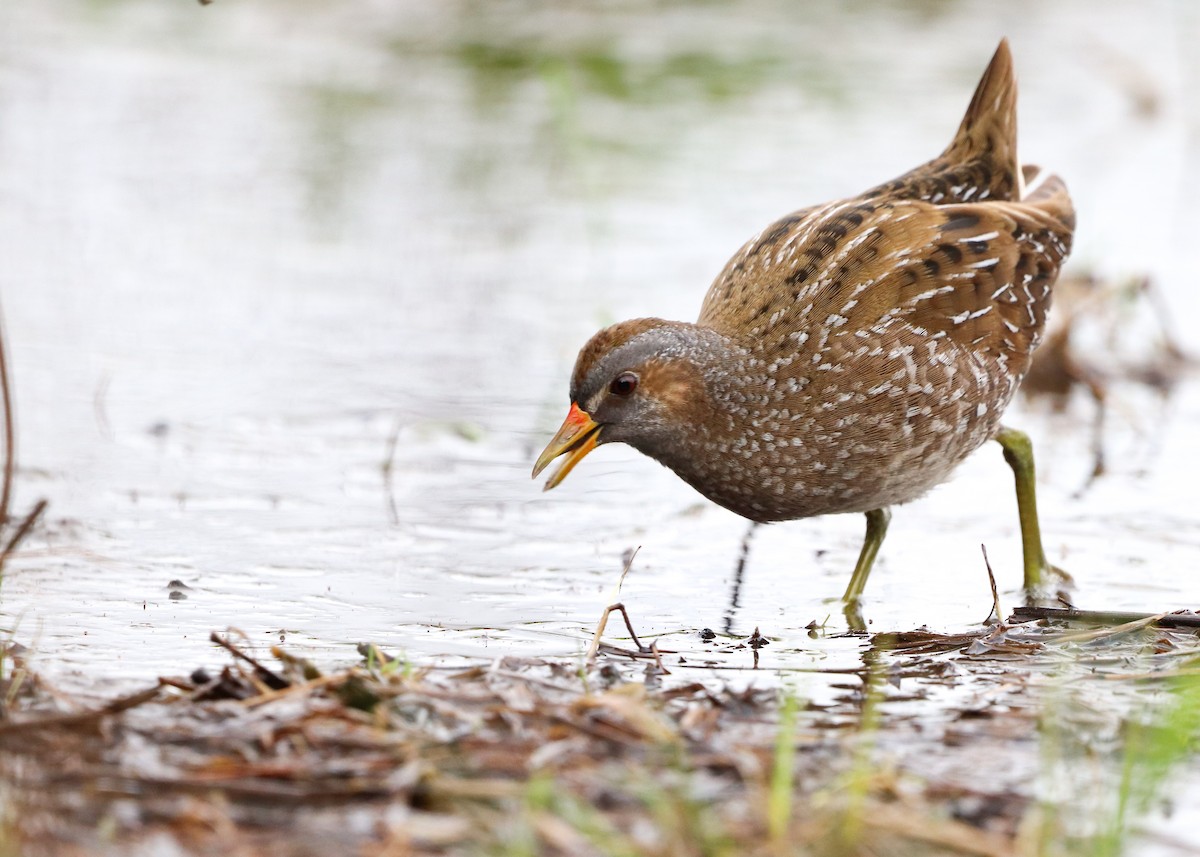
(735,596)
(1018,452)
(877,524)
(854,617)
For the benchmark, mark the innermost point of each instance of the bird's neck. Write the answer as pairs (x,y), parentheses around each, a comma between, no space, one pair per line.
(728,395)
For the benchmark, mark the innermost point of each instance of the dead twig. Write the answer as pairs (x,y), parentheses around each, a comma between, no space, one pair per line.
(10,461)
(81,718)
(1113,631)
(658,663)
(10,443)
(952,835)
(595,646)
(292,690)
(22,531)
(1180,619)
(268,677)
(245,786)
(995,593)
(388,468)
(630,556)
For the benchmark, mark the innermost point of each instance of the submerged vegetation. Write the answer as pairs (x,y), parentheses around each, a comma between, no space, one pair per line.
(600,69)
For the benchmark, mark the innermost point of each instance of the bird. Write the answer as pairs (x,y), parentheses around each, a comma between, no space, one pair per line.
(850,355)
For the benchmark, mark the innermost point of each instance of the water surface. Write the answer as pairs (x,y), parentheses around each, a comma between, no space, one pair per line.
(293,292)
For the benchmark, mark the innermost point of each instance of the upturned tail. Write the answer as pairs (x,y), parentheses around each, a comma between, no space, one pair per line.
(981,161)
(988,133)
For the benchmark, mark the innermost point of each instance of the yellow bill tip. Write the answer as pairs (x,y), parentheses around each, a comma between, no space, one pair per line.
(577,437)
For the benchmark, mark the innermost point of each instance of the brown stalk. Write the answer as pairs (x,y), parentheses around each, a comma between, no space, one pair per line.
(1107,617)
(10,452)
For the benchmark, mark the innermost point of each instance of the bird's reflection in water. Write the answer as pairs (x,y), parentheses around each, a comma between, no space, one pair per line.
(851,610)
(735,594)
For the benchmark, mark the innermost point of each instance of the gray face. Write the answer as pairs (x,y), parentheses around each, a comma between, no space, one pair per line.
(589,388)
(618,391)
(646,390)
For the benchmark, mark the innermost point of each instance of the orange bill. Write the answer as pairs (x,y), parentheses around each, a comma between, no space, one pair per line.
(575,439)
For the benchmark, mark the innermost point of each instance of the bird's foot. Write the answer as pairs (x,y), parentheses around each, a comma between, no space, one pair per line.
(1052,587)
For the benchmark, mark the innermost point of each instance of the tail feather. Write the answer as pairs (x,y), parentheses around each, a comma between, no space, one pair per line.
(1048,193)
(988,132)
(981,161)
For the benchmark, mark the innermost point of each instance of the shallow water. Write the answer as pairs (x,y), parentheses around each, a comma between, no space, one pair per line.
(292,295)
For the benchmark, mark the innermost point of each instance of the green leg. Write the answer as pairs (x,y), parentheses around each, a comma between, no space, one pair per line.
(1018,452)
(877,524)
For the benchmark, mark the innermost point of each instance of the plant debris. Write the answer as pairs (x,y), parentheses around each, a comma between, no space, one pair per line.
(540,757)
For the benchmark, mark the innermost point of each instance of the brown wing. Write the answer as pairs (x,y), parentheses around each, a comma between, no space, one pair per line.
(750,280)
(978,272)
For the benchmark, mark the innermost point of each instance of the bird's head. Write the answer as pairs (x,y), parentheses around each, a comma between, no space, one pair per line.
(640,382)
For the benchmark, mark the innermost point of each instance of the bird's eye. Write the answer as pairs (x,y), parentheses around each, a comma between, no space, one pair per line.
(623,384)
